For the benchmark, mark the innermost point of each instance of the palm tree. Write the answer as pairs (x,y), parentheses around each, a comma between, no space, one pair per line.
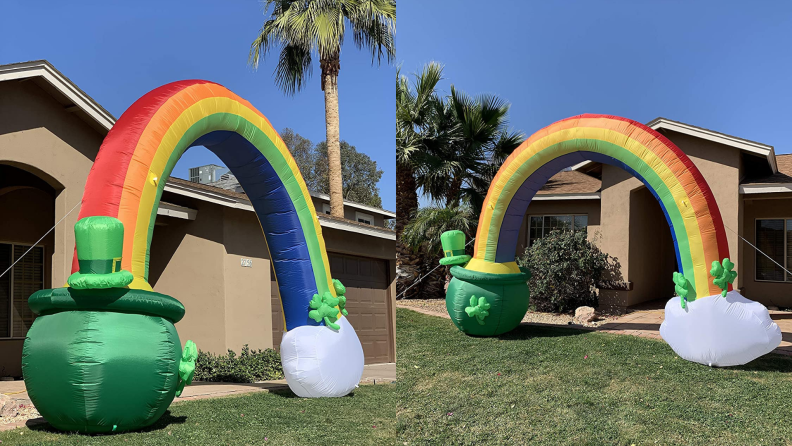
(481,139)
(424,230)
(415,106)
(301,29)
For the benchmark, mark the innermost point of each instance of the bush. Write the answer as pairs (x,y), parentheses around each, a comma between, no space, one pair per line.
(250,366)
(566,268)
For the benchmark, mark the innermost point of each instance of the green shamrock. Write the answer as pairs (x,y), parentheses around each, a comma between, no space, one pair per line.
(323,308)
(479,311)
(340,291)
(723,274)
(681,288)
(187,366)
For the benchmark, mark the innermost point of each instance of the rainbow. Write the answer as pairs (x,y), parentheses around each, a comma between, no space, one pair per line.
(140,151)
(686,199)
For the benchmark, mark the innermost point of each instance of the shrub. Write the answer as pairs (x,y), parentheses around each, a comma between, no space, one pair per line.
(250,366)
(566,268)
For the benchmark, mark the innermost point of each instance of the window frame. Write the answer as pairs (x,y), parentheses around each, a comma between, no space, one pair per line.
(11,299)
(543,216)
(360,215)
(787,279)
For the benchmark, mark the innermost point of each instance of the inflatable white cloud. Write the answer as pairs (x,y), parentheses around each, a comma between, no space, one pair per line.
(718,331)
(321,362)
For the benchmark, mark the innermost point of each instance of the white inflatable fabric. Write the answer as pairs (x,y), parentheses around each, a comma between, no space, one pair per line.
(720,331)
(321,362)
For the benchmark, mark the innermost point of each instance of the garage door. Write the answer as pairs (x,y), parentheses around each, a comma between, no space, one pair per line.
(366,281)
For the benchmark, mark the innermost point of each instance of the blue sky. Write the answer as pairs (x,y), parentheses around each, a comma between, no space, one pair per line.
(722,65)
(118,51)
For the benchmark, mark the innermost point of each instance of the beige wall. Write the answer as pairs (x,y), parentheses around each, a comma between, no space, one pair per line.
(38,136)
(198,262)
(57,146)
(635,230)
(721,167)
(768,206)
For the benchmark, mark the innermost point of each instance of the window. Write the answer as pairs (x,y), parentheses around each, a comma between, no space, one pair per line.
(326,208)
(24,279)
(541,225)
(774,238)
(364,218)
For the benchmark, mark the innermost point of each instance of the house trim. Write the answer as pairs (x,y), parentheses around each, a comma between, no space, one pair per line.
(589,196)
(235,203)
(765,188)
(43,69)
(754,147)
(363,207)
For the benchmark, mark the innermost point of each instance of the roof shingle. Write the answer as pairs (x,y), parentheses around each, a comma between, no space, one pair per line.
(570,182)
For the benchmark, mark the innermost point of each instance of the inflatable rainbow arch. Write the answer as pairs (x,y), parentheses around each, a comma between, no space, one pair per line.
(139,153)
(82,371)
(686,199)
(489,294)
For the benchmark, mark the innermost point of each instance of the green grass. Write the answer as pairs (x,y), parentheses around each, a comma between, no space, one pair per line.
(542,385)
(281,419)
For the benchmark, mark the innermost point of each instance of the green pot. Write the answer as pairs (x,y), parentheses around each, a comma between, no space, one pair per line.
(507,295)
(102,360)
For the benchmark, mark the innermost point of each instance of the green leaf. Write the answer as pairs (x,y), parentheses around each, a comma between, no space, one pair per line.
(723,275)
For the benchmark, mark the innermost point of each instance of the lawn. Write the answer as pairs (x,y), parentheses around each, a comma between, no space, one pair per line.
(544,385)
(366,417)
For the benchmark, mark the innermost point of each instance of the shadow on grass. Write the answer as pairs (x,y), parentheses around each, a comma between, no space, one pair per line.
(527,331)
(288,394)
(768,363)
(164,421)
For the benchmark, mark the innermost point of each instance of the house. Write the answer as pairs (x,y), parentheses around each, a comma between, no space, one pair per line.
(751,184)
(207,249)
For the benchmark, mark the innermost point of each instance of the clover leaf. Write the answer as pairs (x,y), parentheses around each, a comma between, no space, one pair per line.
(323,308)
(478,309)
(681,288)
(340,290)
(187,366)
(723,274)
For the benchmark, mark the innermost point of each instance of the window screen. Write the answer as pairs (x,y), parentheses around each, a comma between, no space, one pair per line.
(770,235)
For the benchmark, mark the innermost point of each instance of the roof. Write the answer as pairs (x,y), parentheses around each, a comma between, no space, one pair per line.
(746,145)
(239,200)
(77,101)
(569,184)
(243,196)
(780,181)
(74,100)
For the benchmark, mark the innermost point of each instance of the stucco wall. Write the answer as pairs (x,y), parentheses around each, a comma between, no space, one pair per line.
(38,136)
(721,167)
(768,206)
(199,263)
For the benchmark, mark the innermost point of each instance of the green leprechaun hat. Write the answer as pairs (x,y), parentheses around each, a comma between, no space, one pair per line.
(100,243)
(454,248)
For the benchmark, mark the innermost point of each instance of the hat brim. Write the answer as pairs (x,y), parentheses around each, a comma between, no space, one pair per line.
(118,279)
(455,260)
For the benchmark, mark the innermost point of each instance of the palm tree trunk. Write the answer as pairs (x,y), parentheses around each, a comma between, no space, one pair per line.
(452,194)
(330,87)
(406,197)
